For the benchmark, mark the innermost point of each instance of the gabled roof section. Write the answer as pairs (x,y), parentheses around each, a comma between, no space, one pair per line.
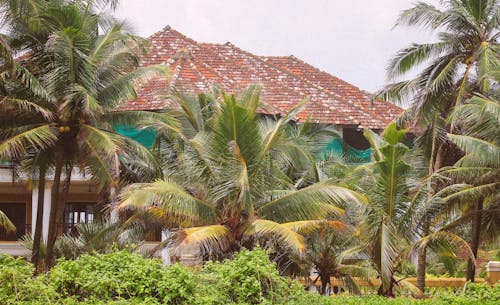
(285,81)
(384,111)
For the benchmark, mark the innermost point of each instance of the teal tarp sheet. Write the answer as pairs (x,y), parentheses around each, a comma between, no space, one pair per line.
(349,153)
(144,136)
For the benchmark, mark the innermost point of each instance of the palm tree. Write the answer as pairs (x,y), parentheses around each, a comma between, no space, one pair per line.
(479,167)
(6,62)
(454,66)
(80,69)
(333,251)
(389,222)
(225,179)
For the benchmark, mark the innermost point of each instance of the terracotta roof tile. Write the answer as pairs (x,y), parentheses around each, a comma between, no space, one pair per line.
(285,81)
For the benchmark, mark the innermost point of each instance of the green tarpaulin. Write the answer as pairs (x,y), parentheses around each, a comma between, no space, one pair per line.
(144,136)
(338,147)
(349,153)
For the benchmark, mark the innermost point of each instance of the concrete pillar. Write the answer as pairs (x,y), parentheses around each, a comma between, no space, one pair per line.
(34,209)
(493,269)
(46,211)
(166,252)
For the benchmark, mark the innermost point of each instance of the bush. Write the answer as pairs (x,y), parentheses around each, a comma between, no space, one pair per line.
(250,278)
(17,284)
(123,278)
(482,291)
(105,277)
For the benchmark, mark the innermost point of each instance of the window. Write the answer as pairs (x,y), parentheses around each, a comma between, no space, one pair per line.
(78,212)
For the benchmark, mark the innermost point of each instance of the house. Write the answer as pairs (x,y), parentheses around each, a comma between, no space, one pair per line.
(194,68)
(285,81)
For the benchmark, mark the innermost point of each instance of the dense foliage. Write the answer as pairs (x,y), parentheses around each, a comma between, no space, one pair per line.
(224,178)
(126,278)
(230,176)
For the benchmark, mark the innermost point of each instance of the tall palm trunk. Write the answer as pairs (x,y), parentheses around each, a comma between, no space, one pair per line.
(54,202)
(37,238)
(476,239)
(63,196)
(422,253)
(422,257)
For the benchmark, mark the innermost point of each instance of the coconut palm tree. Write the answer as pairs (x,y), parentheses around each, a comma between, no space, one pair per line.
(479,168)
(6,62)
(333,251)
(225,179)
(453,67)
(79,69)
(389,224)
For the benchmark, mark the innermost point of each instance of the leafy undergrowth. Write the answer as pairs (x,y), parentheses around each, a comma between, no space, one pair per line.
(123,278)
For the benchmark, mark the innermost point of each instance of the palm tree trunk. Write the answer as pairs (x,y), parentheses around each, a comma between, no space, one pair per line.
(389,292)
(37,238)
(325,281)
(63,196)
(422,256)
(476,239)
(51,238)
(422,253)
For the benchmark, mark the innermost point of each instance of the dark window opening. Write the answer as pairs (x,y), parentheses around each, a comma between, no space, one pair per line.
(354,137)
(17,214)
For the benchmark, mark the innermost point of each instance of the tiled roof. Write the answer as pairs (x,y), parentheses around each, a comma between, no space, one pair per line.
(285,81)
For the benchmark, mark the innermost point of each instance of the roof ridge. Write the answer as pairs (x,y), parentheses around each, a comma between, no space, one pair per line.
(168,28)
(200,45)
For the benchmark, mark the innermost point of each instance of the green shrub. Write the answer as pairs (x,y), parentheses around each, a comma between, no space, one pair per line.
(250,278)
(17,285)
(117,275)
(123,278)
(13,274)
(482,291)
(177,285)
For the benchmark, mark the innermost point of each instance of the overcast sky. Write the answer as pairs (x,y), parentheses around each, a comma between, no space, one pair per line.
(351,39)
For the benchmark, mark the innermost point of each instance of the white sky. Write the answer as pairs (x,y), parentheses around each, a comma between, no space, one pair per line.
(351,39)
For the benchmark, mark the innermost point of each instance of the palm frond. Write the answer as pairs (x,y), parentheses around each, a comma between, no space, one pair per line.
(173,199)
(412,56)
(284,234)
(25,106)
(307,226)
(210,239)
(480,148)
(5,223)
(312,202)
(36,137)
(422,14)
